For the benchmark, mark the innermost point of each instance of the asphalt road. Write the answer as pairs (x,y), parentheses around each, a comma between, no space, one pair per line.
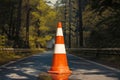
(30,68)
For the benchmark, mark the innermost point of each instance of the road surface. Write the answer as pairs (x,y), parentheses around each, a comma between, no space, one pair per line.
(30,68)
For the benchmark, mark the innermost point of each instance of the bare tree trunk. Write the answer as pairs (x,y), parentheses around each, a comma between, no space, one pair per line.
(17,40)
(80,24)
(70,13)
(27,23)
(11,21)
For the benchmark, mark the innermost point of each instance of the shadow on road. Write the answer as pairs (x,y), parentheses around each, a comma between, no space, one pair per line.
(27,69)
(83,67)
(30,68)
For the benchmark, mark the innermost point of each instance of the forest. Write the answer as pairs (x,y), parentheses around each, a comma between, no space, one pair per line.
(92,23)
(102,20)
(31,23)
(27,25)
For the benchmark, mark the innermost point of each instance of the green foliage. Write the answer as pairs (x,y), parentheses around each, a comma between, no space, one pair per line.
(102,18)
(11,55)
(19,30)
(43,23)
(3,40)
(36,42)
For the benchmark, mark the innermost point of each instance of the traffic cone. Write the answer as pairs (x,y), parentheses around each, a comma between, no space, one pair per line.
(59,63)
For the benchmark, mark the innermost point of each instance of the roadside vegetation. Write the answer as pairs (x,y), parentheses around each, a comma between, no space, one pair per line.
(103,58)
(25,24)
(7,55)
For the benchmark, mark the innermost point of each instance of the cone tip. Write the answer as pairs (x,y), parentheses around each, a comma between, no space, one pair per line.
(59,25)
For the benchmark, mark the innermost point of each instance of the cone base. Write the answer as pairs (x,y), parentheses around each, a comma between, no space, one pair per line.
(60,76)
(60,71)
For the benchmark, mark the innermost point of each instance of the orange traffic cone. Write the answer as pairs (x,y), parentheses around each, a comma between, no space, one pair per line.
(59,63)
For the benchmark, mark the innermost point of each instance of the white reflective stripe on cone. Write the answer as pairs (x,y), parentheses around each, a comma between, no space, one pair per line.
(59,49)
(59,32)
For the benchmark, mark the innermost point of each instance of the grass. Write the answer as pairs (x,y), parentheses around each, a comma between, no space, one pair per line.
(7,56)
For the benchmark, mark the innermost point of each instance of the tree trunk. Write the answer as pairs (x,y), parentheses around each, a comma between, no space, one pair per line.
(80,24)
(27,23)
(70,13)
(17,40)
(11,21)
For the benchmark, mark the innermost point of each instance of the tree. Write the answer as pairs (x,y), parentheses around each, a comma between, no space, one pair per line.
(102,18)
(27,22)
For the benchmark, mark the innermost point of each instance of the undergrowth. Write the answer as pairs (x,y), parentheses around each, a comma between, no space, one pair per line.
(106,59)
(7,56)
